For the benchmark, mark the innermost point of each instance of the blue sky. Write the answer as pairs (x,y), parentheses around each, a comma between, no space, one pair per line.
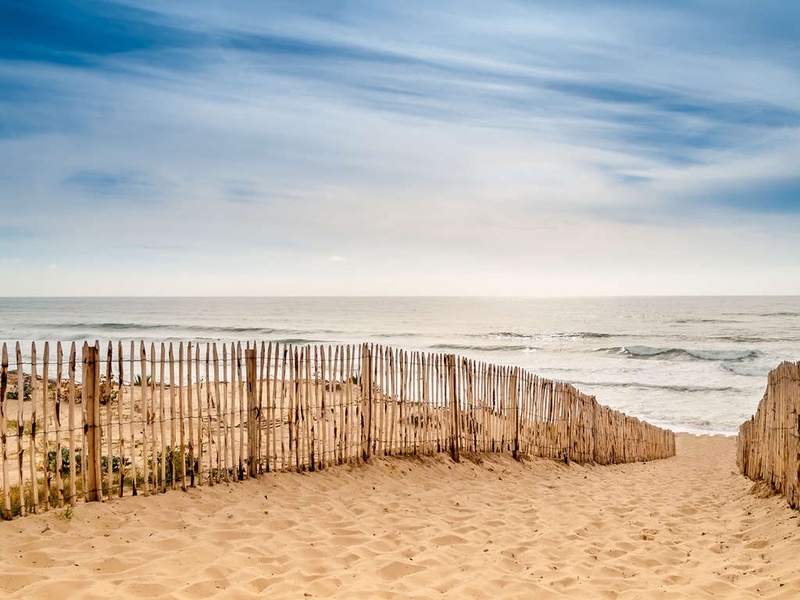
(452,147)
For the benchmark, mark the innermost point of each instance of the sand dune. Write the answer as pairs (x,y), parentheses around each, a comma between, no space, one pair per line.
(410,528)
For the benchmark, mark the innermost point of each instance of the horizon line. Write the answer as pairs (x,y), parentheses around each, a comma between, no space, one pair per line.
(395,296)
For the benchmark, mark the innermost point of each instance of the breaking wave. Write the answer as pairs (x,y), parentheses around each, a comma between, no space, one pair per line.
(558,335)
(644,352)
(478,348)
(650,386)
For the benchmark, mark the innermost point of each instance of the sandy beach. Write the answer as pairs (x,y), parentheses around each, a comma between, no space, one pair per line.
(426,528)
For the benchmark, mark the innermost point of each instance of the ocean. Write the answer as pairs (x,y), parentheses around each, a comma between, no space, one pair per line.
(694,364)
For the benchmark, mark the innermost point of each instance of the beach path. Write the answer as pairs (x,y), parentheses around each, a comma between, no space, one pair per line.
(683,527)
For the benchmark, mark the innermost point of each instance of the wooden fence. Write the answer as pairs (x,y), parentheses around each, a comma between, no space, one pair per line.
(768,446)
(104,424)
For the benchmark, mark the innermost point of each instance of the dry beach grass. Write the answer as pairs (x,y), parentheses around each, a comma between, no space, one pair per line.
(491,527)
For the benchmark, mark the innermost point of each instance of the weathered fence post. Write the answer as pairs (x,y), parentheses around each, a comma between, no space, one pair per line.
(106,395)
(254,415)
(90,396)
(455,425)
(515,407)
(366,397)
(4,434)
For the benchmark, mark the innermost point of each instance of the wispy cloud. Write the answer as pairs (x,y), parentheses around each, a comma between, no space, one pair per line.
(106,189)
(462,132)
(72,33)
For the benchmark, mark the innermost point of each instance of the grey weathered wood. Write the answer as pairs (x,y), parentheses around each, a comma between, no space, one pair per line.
(4,434)
(57,408)
(133,417)
(20,428)
(181,415)
(144,387)
(92,463)
(253,414)
(162,461)
(32,436)
(172,430)
(219,412)
(73,494)
(46,423)
(121,416)
(455,435)
(242,407)
(108,433)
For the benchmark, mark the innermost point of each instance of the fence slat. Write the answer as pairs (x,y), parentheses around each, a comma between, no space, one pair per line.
(193,469)
(253,414)
(105,398)
(46,424)
(73,494)
(170,451)
(120,417)
(133,417)
(181,415)
(20,428)
(161,458)
(242,401)
(32,436)
(58,396)
(4,434)
(264,410)
(91,402)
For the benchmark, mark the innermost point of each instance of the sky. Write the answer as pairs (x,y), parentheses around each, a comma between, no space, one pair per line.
(455,147)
